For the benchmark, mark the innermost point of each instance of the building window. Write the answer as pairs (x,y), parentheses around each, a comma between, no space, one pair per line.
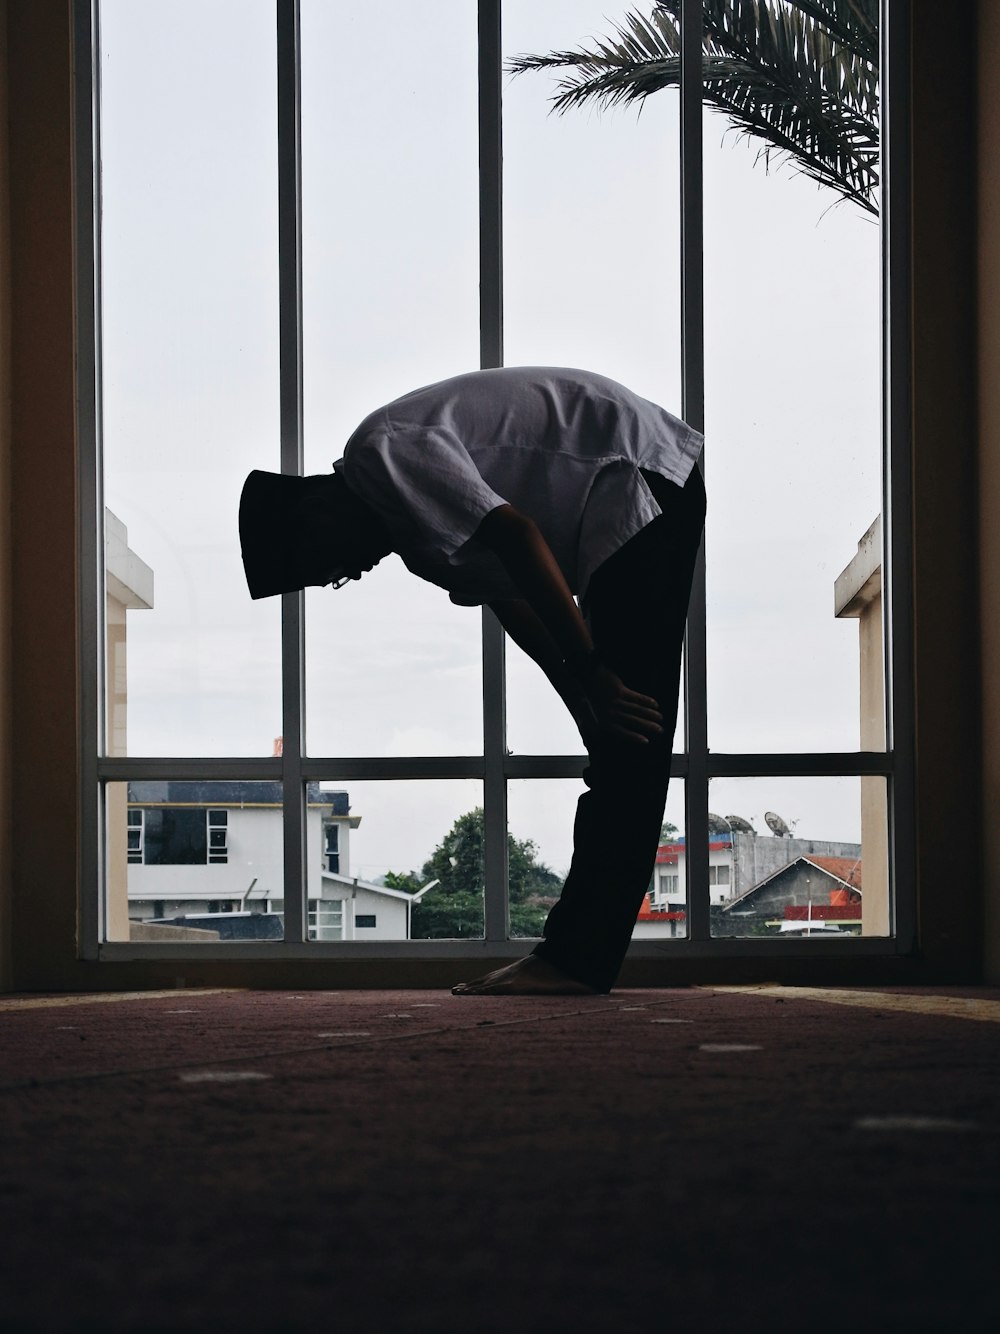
(331,848)
(175,837)
(218,836)
(135,831)
(326,919)
(365,920)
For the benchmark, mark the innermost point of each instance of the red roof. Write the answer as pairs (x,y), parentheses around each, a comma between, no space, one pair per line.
(667,853)
(847,869)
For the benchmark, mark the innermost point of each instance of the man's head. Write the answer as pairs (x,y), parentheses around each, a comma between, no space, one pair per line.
(299,532)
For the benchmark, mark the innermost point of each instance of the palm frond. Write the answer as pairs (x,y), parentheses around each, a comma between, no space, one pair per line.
(799,75)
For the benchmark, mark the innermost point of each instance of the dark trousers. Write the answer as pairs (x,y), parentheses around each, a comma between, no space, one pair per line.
(636,608)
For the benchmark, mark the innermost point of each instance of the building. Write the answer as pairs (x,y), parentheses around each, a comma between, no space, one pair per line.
(807,896)
(857,594)
(740,863)
(207,856)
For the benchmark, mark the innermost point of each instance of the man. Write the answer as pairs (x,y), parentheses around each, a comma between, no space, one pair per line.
(526,489)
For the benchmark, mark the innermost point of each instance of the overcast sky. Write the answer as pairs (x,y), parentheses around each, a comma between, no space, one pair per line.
(391,302)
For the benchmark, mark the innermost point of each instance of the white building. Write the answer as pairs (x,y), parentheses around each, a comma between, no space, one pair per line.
(207,856)
(738,862)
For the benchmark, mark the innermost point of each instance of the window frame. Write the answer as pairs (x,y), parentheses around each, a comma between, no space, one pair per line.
(494,767)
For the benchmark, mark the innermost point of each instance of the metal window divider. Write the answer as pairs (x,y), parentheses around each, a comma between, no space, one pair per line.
(897,486)
(495,889)
(289,73)
(693,412)
(91,629)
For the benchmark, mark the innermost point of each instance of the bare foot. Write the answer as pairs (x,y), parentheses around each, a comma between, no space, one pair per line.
(530,976)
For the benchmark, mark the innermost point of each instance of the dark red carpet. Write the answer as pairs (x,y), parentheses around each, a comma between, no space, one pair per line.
(409,1161)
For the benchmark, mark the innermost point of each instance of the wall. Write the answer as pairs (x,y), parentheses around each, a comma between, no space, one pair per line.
(947,736)
(43,481)
(989,459)
(6,828)
(858,594)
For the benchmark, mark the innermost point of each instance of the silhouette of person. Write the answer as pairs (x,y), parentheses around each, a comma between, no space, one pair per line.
(574,509)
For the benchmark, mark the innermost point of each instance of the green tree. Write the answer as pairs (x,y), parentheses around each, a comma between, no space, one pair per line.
(799,76)
(454,907)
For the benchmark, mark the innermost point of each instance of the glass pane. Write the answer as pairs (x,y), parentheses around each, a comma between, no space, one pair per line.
(799,857)
(392,668)
(172,876)
(591,275)
(190,307)
(591,218)
(406,861)
(540,814)
(391,302)
(663,916)
(793,457)
(538,722)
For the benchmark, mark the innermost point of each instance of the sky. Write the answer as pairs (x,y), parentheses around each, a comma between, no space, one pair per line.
(390,235)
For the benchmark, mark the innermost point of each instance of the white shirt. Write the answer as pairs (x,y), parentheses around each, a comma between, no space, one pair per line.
(562,446)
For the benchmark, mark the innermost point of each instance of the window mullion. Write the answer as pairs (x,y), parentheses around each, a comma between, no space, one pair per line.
(693,411)
(93,724)
(897,479)
(491,355)
(490,187)
(289,71)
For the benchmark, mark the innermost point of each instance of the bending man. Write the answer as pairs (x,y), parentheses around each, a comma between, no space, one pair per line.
(574,509)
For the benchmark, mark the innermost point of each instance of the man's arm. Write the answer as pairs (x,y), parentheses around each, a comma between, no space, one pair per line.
(556,635)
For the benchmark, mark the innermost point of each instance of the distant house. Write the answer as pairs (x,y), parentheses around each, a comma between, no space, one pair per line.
(739,864)
(809,896)
(208,856)
(655,924)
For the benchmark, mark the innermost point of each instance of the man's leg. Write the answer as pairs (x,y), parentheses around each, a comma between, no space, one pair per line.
(637,607)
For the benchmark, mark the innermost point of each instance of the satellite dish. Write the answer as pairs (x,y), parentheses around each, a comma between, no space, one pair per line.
(777,825)
(717,824)
(739,825)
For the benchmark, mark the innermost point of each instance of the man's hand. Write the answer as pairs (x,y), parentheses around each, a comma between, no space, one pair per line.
(548,626)
(620,712)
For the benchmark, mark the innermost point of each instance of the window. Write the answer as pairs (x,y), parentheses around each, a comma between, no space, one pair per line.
(365,920)
(134,835)
(326,919)
(177,837)
(331,847)
(218,834)
(272,319)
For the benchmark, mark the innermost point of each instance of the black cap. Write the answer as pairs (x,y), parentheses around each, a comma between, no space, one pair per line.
(275,559)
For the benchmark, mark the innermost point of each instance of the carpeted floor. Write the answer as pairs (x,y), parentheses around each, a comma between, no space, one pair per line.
(746,1160)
